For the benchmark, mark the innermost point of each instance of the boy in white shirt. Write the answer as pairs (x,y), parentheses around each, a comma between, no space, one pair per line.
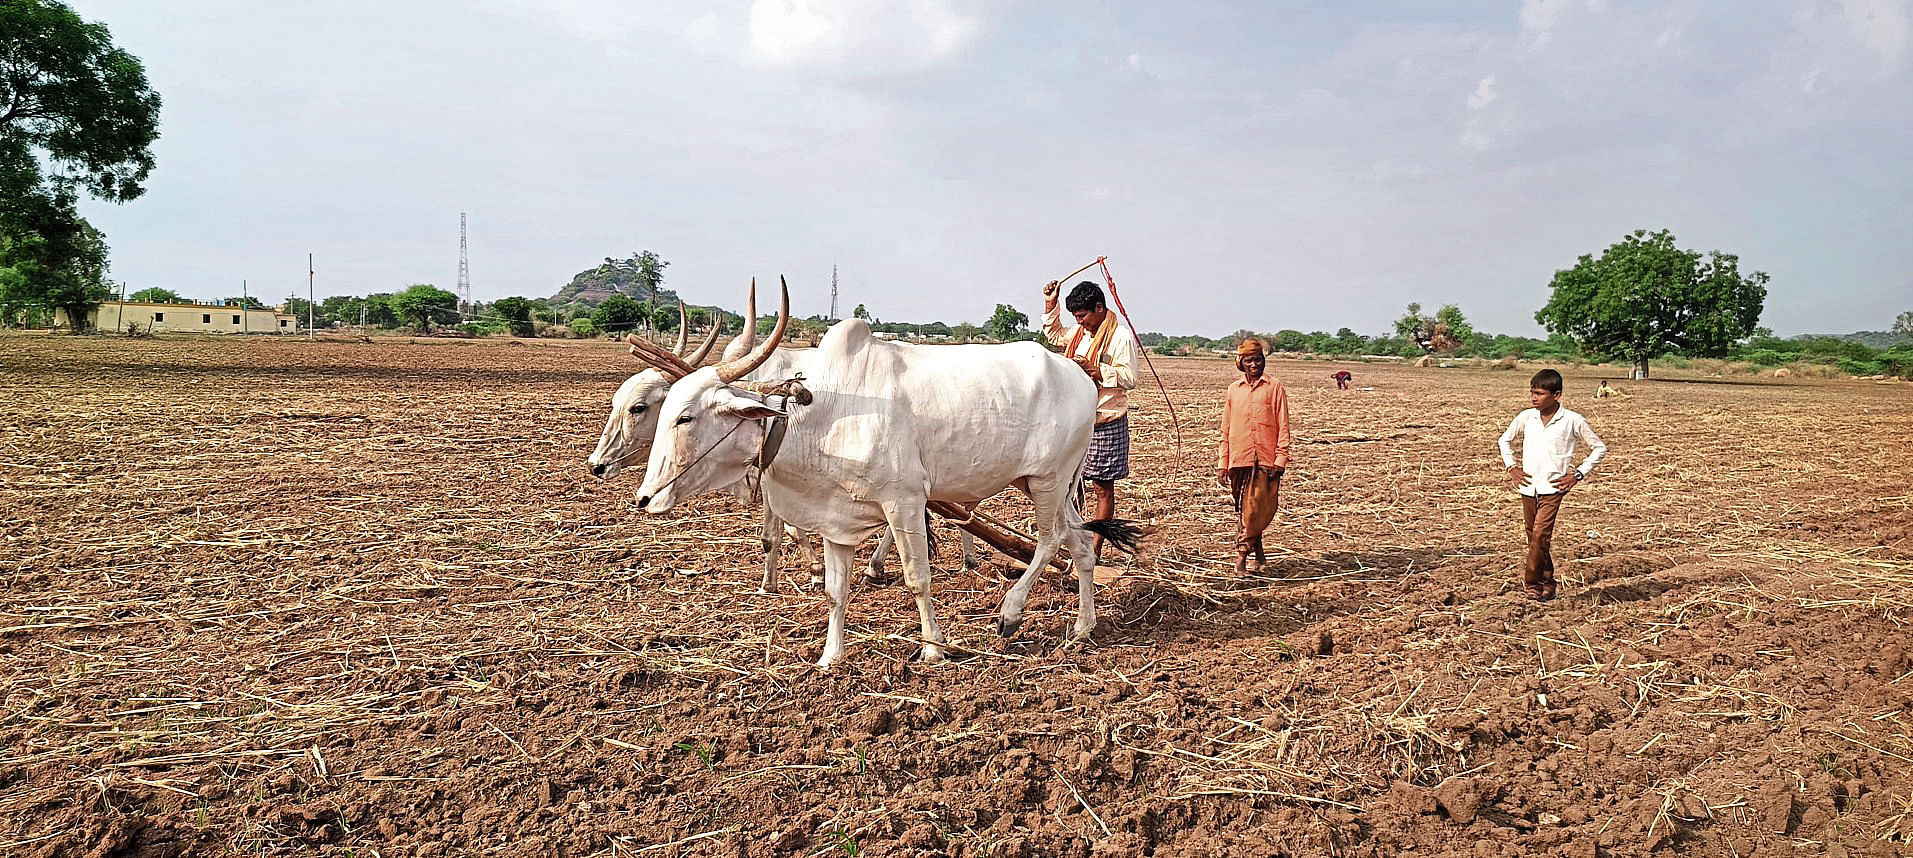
(1545,473)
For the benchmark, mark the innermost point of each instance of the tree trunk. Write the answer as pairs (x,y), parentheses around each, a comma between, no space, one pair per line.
(1640,368)
(76,318)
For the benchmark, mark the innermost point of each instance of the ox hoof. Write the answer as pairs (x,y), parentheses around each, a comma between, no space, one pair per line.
(932,654)
(1007,628)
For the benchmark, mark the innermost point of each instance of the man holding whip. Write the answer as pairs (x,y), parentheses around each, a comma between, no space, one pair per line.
(1107,353)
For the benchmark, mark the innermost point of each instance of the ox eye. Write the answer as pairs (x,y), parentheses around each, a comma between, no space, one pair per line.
(638,408)
(684,420)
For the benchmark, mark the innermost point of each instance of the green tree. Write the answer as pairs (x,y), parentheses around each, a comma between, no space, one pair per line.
(75,103)
(156,295)
(76,117)
(246,301)
(1452,331)
(378,311)
(422,304)
(619,313)
(1006,323)
(57,259)
(1645,297)
(516,313)
(1417,328)
(860,313)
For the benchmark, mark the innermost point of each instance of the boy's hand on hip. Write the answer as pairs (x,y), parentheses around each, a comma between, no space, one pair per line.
(1566,481)
(1222,477)
(1517,476)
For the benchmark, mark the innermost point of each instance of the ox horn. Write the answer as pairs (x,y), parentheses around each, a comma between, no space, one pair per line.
(710,339)
(684,332)
(657,356)
(732,370)
(750,317)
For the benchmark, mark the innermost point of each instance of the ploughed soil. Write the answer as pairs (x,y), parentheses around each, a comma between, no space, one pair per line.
(277,597)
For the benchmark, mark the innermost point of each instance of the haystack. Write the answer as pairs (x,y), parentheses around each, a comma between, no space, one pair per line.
(1425,360)
(1508,362)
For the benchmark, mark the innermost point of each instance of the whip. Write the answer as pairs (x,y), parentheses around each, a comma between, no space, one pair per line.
(1174,419)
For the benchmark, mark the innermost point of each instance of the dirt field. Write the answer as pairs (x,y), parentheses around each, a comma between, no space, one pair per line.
(271,597)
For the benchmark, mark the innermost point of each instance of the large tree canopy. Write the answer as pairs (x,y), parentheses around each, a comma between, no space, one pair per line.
(422,304)
(68,96)
(515,312)
(76,117)
(1644,297)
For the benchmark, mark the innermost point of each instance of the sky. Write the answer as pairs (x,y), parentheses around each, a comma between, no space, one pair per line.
(1310,164)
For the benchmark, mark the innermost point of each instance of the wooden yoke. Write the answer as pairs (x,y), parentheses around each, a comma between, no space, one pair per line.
(994,533)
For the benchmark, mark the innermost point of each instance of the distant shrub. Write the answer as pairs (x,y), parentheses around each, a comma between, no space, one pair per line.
(583,328)
(1861,367)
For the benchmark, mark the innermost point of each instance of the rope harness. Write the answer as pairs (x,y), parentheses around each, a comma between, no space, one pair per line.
(791,390)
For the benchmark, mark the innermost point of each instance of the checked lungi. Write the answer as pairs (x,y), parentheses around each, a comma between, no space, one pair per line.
(1108,457)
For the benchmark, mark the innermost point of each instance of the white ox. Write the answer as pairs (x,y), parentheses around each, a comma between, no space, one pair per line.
(628,430)
(890,427)
(626,439)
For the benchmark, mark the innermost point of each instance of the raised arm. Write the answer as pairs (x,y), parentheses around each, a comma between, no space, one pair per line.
(1053,315)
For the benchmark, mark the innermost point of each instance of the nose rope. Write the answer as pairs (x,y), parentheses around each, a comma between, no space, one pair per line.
(687,468)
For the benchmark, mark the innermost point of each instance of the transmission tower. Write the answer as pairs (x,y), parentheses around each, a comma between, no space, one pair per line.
(833,293)
(464,271)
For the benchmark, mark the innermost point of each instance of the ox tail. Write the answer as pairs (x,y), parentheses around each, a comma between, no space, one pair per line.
(1121,533)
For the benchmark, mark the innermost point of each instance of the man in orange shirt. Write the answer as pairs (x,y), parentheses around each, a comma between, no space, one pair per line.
(1254,451)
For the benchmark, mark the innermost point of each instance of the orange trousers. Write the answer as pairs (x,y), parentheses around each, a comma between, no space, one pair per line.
(1257,493)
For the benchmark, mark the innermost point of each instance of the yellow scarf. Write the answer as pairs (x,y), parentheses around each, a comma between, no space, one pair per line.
(1098,343)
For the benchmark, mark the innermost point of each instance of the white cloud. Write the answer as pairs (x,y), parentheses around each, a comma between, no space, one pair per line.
(1539,18)
(871,37)
(1881,26)
(1484,94)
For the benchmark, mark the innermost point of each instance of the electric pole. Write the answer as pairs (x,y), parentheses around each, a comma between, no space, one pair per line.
(464,270)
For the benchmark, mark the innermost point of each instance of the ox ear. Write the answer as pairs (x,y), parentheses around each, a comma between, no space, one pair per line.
(747,408)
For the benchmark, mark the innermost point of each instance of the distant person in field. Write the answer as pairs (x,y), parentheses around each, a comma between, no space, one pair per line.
(1107,353)
(1343,378)
(1254,452)
(1546,472)
(1604,391)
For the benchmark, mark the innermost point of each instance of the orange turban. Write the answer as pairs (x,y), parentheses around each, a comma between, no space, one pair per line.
(1250,346)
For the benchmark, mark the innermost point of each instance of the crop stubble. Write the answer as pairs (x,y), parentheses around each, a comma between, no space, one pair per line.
(266,596)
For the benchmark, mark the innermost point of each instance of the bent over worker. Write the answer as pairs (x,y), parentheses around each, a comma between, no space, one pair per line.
(1107,353)
(1254,452)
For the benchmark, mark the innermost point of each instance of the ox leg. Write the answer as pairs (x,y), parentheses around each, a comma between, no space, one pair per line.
(970,560)
(1082,552)
(837,562)
(772,539)
(801,538)
(875,571)
(1058,523)
(913,552)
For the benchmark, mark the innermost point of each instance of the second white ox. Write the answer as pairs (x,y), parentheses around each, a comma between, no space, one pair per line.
(889,427)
